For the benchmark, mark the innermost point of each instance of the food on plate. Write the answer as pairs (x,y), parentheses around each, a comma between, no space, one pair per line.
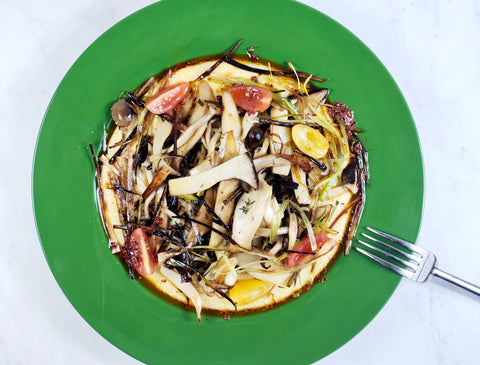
(230,183)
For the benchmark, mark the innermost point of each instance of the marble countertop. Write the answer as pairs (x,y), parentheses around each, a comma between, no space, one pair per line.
(432,50)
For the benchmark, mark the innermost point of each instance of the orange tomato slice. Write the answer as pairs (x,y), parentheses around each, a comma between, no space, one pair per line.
(310,141)
(248,290)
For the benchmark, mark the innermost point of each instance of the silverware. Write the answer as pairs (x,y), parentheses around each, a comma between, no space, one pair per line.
(416,263)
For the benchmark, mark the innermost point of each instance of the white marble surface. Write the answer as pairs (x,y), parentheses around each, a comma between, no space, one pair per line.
(431,48)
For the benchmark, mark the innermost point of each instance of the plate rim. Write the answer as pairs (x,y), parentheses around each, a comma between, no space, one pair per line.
(58,89)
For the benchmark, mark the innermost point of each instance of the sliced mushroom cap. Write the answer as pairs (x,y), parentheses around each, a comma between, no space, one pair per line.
(187,288)
(249,214)
(271,272)
(320,96)
(230,117)
(280,138)
(270,161)
(240,167)
(204,94)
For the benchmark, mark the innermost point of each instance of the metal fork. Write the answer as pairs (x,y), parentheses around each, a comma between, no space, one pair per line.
(418,264)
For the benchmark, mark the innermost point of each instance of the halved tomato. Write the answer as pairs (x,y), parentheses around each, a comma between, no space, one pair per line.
(251,98)
(310,141)
(140,253)
(167,98)
(295,259)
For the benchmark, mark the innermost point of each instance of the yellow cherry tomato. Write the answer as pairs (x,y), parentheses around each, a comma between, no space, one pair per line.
(248,290)
(310,141)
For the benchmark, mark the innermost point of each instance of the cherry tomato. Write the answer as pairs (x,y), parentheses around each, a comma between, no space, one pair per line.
(140,252)
(310,141)
(167,98)
(295,259)
(253,99)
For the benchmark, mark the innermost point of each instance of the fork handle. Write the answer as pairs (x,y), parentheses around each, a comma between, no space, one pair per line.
(454,280)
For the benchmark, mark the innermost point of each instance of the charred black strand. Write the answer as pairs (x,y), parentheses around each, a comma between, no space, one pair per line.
(216,64)
(216,219)
(142,152)
(304,75)
(287,124)
(175,263)
(132,99)
(121,188)
(95,163)
(320,165)
(234,196)
(300,252)
(122,147)
(220,233)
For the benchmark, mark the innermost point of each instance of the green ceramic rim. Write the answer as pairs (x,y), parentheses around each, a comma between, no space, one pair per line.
(136,320)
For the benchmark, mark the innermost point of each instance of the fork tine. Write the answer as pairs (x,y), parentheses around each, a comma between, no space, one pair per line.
(388,254)
(393,248)
(388,265)
(397,240)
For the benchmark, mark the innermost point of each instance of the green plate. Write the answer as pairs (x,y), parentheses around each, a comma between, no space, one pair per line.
(136,320)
